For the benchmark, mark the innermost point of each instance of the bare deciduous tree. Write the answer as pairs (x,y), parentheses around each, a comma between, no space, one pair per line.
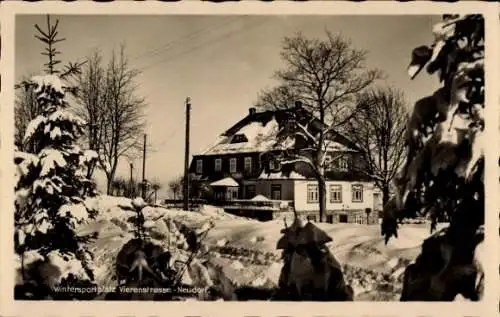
(326,75)
(379,129)
(276,98)
(26,109)
(155,187)
(175,186)
(122,124)
(92,100)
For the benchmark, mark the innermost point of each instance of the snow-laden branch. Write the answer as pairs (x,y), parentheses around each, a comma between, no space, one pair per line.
(306,133)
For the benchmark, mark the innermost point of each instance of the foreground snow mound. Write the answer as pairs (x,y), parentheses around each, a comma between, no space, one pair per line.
(59,267)
(110,205)
(243,253)
(52,269)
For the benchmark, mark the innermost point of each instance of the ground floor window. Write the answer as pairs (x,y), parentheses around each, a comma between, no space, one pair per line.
(276,191)
(232,193)
(312,193)
(357,193)
(219,195)
(335,194)
(329,218)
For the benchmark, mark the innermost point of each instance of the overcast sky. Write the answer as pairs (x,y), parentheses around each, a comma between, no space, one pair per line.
(221,62)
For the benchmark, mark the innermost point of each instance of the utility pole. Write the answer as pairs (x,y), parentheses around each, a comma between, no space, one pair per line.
(186,156)
(131,192)
(144,169)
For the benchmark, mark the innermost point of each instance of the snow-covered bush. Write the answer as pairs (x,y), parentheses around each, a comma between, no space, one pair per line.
(443,175)
(51,188)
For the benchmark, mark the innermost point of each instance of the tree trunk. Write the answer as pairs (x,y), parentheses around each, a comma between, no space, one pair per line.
(322,199)
(385,195)
(109,183)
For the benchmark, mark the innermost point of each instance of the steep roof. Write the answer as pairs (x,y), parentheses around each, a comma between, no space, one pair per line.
(260,131)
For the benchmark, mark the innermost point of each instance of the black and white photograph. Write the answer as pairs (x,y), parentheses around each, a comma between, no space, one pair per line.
(304,158)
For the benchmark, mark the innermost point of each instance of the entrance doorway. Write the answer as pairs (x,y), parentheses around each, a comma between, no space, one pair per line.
(343,218)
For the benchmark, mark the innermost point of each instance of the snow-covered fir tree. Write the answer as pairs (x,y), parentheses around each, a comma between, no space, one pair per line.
(51,187)
(444,172)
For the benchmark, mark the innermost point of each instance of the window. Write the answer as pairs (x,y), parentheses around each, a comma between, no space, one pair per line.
(250,191)
(357,193)
(312,194)
(248,164)
(199,166)
(232,193)
(359,219)
(276,191)
(377,202)
(232,165)
(329,218)
(343,164)
(272,165)
(218,165)
(219,195)
(335,194)
(239,138)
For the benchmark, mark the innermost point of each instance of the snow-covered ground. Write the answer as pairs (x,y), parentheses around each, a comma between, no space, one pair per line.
(244,250)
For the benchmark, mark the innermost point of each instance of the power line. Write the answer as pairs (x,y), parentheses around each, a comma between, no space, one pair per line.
(193,35)
(205,44)
(202,45)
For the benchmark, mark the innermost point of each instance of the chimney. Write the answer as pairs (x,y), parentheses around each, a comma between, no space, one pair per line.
(252,111)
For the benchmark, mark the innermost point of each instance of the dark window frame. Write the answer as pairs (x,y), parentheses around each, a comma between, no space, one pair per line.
(199,166)
(276,188)
(245,161)
(235,160)
(218,167)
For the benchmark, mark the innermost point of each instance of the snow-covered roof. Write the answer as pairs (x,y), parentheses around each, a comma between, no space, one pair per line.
(259,132)
(281,175)
(260,198)
(261,137)
(227,182)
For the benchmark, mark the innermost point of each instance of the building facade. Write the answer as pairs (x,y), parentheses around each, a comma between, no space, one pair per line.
(243,163)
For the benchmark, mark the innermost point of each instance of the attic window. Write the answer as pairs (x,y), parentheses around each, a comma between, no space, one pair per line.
(274,165)
(239,138)
(343,164)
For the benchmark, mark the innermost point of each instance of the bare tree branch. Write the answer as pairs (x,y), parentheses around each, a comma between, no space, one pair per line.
(379,128)
(326,75)
(112,109)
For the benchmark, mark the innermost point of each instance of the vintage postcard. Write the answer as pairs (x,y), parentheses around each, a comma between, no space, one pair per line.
(302,156)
